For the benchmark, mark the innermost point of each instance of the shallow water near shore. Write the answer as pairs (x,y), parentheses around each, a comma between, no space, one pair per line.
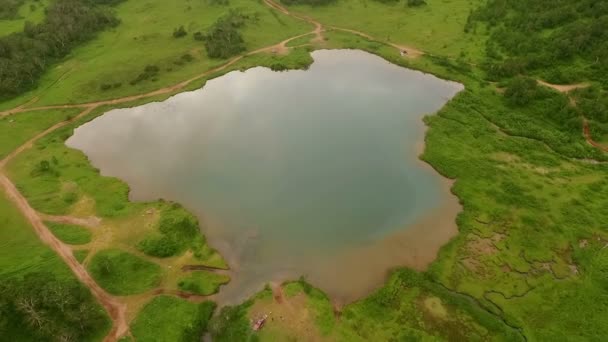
(293,173)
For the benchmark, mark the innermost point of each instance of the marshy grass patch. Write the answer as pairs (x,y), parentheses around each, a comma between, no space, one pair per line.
(167,318)
(123,273)
(69,233)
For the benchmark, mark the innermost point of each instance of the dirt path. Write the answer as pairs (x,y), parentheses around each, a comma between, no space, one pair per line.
(565,89)
(589,138)
(410,52)
(30,142)
(89,222)
(116,310)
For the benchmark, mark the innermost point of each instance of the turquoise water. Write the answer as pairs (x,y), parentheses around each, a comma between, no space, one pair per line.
(283,167)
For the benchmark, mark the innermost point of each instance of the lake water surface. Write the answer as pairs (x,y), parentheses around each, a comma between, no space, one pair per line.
(301,172)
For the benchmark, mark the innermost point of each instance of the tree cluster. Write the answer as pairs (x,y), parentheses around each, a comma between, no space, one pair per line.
(522,90)
(223,40)
(546,35)
(9,9)
(177,229)
(180,32)
(593,102)
(25,55)
(45,308)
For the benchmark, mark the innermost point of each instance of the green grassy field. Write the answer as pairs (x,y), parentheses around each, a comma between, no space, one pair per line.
(81,255)
(437,28)
(15,130)
(172,319)
(70,234)
(531,231)
(32,11)
(22,251)
(122,273)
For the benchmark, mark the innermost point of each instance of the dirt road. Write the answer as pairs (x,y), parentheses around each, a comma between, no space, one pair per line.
(563,88)
(113,306)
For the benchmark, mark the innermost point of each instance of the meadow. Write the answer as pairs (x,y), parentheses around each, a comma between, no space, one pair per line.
(69,233)
(32,11)
(168,318)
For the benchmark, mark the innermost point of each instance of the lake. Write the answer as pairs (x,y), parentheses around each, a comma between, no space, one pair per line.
(292,173)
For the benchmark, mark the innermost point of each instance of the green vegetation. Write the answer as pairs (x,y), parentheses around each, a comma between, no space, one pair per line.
(9,8)
(26,55)
(32,11)
(528,210)
(39,297)
(411,307)
(139,41)
(224,39)
(16,130)
(415,3)
(232,322)
(436,28)
(561,41)
(54,178)
(58,180)
(70,234)
(172,319)
(203,283)
(80,255)
(528,110)
(178,230)
(122,273)
(592,103)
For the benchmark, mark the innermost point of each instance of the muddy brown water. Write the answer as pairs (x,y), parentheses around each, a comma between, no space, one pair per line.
(312,173)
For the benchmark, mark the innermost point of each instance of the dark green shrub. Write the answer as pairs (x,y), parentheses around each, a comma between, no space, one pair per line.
(521,91)
(180,32)
(159,246)
(415,3)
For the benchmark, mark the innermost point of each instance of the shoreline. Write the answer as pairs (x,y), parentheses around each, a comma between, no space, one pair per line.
(414,246)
